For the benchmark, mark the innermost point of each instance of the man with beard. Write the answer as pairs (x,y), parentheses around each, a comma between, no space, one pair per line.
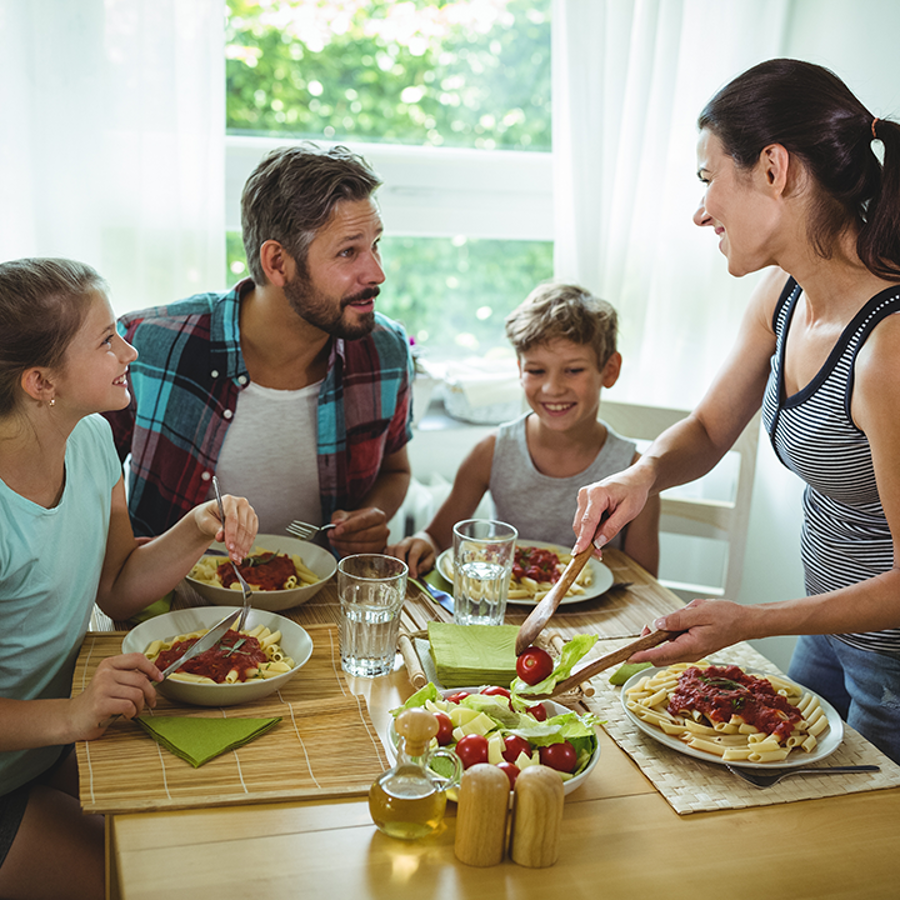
(290,387)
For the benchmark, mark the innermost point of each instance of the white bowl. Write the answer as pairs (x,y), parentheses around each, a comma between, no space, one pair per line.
(553,709)
(317,558)
(295,642)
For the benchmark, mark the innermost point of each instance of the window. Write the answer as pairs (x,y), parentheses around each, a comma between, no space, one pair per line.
(451,105)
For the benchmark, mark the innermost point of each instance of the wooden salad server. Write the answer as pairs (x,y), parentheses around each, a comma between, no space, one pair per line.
(585,673)
(545,608)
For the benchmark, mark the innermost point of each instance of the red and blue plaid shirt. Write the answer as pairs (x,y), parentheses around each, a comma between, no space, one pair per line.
(184,390)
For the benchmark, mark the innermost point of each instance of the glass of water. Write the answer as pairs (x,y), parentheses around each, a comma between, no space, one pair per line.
(372,588)
(483,553)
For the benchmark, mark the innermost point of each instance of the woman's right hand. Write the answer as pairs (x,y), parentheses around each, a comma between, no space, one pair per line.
(614,501)
(121,686)
(419,553)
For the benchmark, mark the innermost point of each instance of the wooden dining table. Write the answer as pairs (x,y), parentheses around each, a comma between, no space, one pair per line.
(624,834)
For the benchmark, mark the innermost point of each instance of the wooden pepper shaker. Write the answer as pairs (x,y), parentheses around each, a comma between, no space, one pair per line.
(539,797)
(481,816)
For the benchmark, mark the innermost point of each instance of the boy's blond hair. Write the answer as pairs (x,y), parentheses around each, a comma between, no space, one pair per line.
(564,311)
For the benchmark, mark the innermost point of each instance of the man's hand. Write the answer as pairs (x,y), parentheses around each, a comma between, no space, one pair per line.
(359,531)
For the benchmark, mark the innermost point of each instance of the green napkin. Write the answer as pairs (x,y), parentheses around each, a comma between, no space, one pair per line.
(471,655)
(198,740)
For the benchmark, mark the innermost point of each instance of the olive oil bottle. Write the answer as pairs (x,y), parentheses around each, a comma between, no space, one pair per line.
(408,801)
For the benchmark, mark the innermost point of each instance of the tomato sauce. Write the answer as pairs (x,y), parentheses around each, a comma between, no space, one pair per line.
(719,692)
(268,571)
(536,563)
(234,651)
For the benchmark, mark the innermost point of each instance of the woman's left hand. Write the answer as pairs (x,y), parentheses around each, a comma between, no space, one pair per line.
(237,532)
(706,626)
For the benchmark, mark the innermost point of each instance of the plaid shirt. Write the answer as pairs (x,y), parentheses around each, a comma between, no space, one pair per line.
(184,391)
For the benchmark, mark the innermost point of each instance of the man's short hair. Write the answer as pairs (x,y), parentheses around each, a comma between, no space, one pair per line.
(564,311)
(292,194)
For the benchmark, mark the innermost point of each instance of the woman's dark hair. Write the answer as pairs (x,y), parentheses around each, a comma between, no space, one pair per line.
(43,303)
(814,115)
(292,193)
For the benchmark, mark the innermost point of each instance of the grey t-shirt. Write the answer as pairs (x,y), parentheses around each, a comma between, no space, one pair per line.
(539,507)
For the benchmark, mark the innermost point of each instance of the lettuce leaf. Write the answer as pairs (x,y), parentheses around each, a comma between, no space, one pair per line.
(571,654)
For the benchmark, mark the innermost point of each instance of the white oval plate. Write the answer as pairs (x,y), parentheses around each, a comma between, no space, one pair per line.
(553,709)
(602,577)
(828,743)
(295,641)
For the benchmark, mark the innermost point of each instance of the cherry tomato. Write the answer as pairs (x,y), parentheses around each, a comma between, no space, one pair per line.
(512,772)
(445,729)
(561,757)
(515,745)
(472,749)
(455,698)
(496,692)
(539,711)
(534,665)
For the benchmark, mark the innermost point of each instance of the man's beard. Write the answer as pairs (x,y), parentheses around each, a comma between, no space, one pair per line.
(312,306)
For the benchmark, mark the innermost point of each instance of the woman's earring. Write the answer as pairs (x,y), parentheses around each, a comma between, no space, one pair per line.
(53,401)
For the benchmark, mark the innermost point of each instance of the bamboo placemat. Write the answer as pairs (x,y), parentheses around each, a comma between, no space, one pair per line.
(325,746)
(691,785)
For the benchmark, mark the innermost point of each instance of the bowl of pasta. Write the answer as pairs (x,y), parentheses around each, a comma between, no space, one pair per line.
(282,572)
(241,668)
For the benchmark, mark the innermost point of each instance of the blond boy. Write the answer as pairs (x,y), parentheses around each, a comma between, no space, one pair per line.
(565,341)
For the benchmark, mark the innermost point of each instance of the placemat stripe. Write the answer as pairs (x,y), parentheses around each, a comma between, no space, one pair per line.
(325,746)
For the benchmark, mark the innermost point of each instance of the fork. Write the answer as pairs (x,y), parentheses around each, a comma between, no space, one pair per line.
(305,531)
(767,779)
(245,588)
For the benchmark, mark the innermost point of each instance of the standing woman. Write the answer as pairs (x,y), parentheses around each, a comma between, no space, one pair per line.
(794,182)
(66,541)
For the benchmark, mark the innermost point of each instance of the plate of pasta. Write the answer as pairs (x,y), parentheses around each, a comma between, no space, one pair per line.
(732,716)
(538,564)
(282,572)
(244,666)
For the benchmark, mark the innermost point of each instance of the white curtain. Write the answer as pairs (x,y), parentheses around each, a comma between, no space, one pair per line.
(113,141)
(629,79)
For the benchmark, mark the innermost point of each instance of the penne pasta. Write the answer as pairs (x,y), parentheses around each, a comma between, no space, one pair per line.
(726,712)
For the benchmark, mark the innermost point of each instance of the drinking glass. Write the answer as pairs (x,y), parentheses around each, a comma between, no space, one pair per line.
(483,553)
(371,588)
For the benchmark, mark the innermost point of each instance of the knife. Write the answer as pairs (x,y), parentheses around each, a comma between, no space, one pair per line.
(436,594)
(210,639)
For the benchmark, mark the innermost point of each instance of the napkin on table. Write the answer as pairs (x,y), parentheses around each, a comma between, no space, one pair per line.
(198,740)
(471,655)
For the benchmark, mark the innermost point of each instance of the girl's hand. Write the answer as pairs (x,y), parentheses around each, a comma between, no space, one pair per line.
(121,686)
(238,530)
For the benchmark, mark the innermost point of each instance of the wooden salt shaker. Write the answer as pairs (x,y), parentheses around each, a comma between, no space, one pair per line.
(539,797)
(481,816)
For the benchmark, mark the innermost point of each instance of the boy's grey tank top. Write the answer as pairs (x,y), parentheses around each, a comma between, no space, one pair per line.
(539,507)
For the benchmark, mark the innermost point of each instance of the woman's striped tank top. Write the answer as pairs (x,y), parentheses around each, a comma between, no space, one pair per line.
(845,537)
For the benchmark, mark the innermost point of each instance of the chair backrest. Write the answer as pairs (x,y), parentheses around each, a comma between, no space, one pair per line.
(691,512)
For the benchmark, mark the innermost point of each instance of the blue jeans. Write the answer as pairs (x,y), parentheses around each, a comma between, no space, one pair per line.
(862,685)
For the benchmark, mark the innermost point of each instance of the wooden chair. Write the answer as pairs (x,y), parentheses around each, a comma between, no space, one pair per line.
(690,513)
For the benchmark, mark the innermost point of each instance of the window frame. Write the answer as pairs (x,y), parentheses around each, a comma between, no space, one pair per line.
(430,191)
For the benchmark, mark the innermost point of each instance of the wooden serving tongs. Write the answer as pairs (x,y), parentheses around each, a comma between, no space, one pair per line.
(586,673)
(540,615)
